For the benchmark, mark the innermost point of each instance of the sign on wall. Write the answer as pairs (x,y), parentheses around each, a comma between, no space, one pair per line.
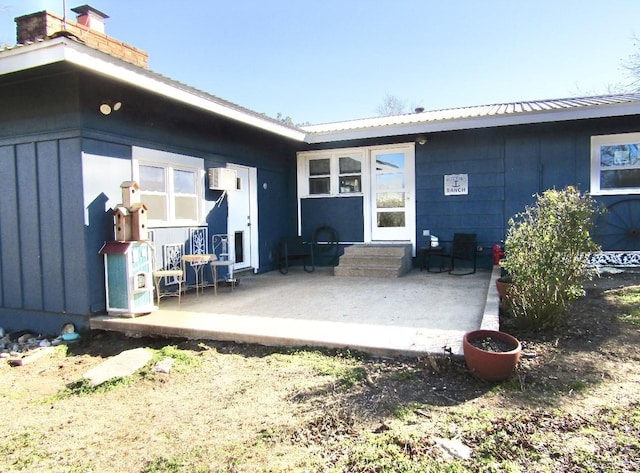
(456,184)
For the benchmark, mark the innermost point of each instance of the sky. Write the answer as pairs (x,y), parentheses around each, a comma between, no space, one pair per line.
(332,60)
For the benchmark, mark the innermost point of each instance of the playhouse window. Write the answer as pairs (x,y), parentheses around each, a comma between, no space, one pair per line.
(615,164)
(170,186)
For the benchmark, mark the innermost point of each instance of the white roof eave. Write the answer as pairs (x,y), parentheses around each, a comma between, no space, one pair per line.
(63,49)
(469,123)
(415,126)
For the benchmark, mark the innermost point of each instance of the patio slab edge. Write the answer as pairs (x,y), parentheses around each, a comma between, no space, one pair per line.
(378,340)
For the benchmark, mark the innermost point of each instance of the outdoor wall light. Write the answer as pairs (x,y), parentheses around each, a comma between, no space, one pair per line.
(421,140)
(107,107)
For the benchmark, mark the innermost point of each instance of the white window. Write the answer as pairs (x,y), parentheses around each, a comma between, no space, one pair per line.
(171,185)
(615,164)
(330,174)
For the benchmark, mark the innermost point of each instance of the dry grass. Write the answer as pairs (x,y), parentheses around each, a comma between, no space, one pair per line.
(575,406)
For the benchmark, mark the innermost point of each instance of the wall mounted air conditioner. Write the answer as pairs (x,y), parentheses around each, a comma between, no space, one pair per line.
(222,179)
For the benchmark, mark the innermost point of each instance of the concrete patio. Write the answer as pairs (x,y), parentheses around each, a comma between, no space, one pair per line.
(416,314)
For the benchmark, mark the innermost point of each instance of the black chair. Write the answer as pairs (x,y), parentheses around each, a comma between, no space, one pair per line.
(463,248)
(295,248)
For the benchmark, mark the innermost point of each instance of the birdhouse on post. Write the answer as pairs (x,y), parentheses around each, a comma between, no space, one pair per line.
(130,193)
(138,214)
(122,223)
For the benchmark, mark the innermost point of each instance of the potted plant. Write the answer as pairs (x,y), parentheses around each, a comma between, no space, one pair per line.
(491,355)
(503,283)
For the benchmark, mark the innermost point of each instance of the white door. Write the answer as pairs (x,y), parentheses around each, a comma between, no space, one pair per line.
(392,194)
(241,228)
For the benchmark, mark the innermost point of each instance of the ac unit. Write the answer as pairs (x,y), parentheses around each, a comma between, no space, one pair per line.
(222,179)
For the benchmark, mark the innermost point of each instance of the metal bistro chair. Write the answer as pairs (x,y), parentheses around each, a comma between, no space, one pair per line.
(463,248)
(172,272)
(222,259)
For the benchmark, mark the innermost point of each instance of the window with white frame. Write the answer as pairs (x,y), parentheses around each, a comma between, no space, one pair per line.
(615,164)
(327,174)
(171,186)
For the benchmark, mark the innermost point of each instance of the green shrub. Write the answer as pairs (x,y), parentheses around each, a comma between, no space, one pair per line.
(546,253)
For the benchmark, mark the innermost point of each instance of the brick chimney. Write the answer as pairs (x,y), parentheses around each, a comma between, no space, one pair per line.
(89,29)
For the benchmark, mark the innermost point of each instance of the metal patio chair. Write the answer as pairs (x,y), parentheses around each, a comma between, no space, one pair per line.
(295,248)
(172,272)
(463,248)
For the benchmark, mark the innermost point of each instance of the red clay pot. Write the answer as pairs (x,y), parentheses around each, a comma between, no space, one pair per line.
(490,365)
(502,288)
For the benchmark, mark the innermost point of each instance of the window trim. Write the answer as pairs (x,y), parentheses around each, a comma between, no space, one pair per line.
(304,174)
(597,142)
(170,162)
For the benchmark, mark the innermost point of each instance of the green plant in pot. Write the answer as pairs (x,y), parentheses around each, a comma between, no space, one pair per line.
(546,252)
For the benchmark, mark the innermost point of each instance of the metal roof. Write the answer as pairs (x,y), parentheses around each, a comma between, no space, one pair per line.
(23,57)
(480,116)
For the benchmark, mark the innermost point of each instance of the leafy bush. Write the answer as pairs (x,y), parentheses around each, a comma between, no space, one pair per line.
(546,255)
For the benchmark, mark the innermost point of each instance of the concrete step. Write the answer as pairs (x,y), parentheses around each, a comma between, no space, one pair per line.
(371,260)
(368,272)
(374,261)
(378,250)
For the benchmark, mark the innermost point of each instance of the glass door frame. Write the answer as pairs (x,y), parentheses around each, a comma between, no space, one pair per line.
(407,233)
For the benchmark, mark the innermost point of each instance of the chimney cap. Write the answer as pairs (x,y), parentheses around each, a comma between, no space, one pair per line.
(87,9)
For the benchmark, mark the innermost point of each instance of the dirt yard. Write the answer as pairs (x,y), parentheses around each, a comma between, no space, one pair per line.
(572,405)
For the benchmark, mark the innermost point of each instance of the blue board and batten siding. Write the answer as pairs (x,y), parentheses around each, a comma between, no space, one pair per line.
(50,269)
(506,167)
(42,253)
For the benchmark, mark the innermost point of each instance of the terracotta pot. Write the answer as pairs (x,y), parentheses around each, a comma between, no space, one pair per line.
(491,365)
(502,288)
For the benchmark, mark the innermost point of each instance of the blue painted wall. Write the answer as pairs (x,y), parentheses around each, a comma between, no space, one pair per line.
(50,269)
(506,167)
(343,214)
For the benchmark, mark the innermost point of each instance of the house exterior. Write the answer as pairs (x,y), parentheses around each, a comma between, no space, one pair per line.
(471,169)
(82,114)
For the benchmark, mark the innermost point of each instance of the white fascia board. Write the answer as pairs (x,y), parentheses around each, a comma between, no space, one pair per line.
(119,72)
(61,49)
(21,58)
(469,123)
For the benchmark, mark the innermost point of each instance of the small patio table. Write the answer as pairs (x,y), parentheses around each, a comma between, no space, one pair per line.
(198,262)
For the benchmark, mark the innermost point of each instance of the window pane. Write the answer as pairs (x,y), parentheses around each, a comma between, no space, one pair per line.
(390,181)
(349,184)
(319,185)
(186,208)
(184,182)
(386,162)
(152,178)
(389,200)
(622,178)
(391,219)
(319,167)
(619,155)
(156,206)
(350,166)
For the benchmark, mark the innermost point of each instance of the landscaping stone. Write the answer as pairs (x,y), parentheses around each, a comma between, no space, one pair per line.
(123,364)
(21,359)
(163,366)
